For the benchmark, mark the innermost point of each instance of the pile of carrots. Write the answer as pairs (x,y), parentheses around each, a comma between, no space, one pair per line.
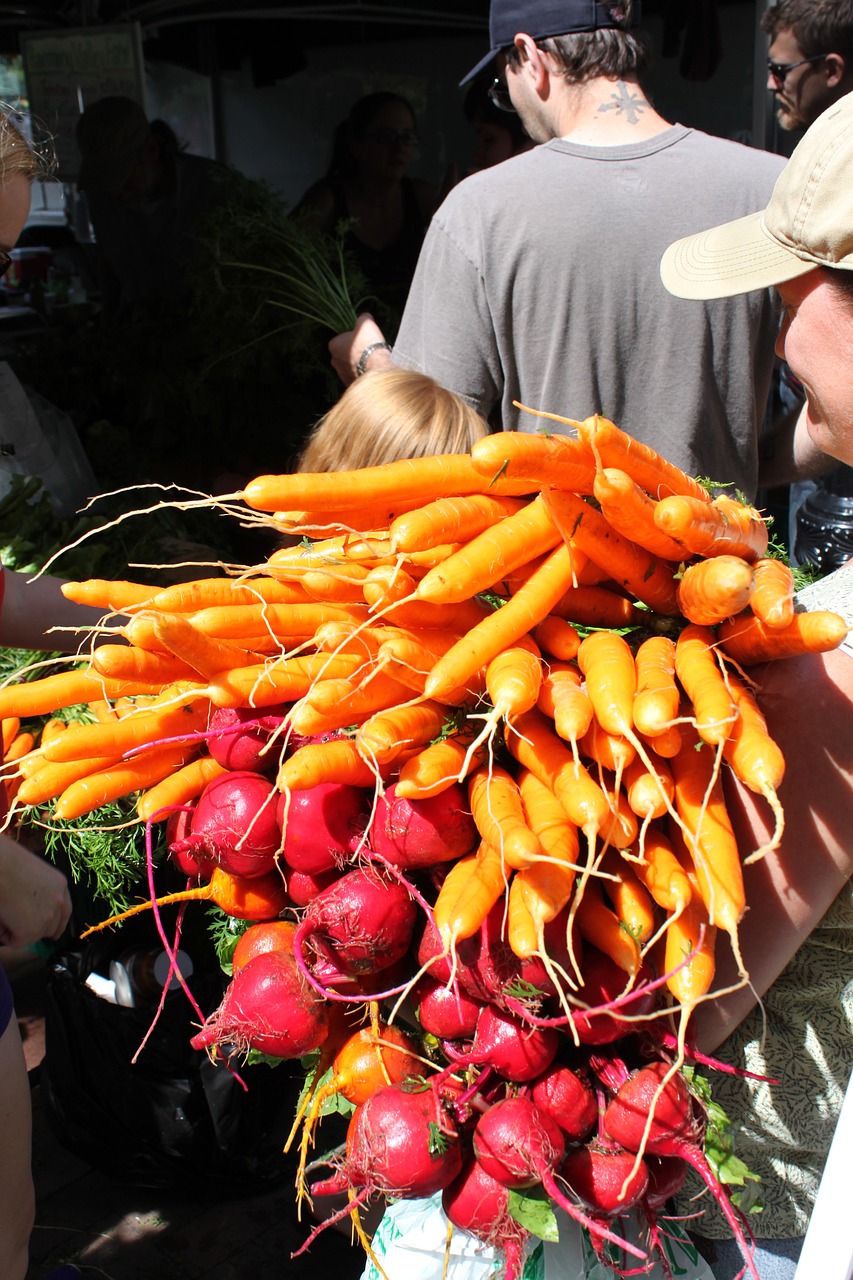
(563,625)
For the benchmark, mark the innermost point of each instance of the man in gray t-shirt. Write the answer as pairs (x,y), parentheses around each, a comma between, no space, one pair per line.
(538,281)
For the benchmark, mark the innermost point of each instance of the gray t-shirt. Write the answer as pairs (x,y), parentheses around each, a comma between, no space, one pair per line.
(539,282)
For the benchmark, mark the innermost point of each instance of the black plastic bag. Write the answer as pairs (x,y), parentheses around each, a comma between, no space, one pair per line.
(173,1118)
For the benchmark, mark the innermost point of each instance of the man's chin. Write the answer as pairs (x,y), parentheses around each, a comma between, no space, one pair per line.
(789,120)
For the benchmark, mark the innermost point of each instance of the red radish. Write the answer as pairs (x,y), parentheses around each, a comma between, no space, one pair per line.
(666,1178)
(303,888)
(362,923)
(267,1006)
(517,1052)
(443,1012)
(568,1099)
(477,1202)
(598,1174)
(649,1115)
(400,1141)
(269,935)
(517,1143)
(238,737)
(194,865)
(486,966)
(604,981)
(421,833)
(322,825)
(235,825)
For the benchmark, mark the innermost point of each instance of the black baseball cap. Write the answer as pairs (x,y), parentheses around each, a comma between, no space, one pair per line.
(542,18)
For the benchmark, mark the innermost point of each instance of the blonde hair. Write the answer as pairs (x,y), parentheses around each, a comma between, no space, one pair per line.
(18,156)
(390,414)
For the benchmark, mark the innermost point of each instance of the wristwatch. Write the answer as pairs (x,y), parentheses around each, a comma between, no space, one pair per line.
(361,367)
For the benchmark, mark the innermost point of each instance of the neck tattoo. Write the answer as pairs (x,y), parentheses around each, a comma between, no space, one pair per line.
(625,103)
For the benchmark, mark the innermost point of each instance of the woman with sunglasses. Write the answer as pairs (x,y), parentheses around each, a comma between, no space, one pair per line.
(367,185)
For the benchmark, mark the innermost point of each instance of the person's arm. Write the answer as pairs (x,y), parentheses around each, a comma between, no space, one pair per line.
(34,898)
(808,703)
(359,350)
(32,606)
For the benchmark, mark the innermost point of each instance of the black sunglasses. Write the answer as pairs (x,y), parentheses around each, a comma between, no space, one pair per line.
(5,263)
(498,95)
(778,71)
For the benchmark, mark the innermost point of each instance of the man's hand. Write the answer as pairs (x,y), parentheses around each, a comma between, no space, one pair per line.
(34,898)
(346,349)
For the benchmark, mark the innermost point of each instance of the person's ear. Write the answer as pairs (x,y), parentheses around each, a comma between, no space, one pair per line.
(533,61)
(835,69)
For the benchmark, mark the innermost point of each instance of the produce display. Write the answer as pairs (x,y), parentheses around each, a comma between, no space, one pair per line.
(454,757)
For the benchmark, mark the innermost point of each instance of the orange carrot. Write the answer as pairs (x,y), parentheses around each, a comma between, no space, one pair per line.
(611,680)
(20,745)
(503,627)
(599,607)
(690,942)
(715,589)
(286,621)
(609,750)
(354,698)
(10,727)
(613,447)
(438,765)
(454,519)
(537,895)
(425,478)
(697,669)
(748,640)
(179,788)
(772,598)
(536,458)
(657,698)
(117,780)
(170,718)
(331,586)
(662,873)
(722,527)
(258,898)
(547,819)
(648,579)
(126,662)
(392,593)
(205,593)
(755,758)
(647,793)
(563,699)
(337,760)
(484,560)
(49,781)
(67,689)
(557,637)
(701,807)
(496,808)
(468,892)
(281,681)
(631,512)
(631,902)
(599,925)
(386,735)
(102,593)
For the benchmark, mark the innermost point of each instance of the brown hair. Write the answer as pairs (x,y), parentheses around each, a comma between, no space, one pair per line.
(18,156)
(613,52)
(819,26)
(390,414)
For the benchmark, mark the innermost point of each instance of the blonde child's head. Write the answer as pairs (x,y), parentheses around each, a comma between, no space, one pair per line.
(390,414)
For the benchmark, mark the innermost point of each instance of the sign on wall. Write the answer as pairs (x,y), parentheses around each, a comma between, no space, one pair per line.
(66,70)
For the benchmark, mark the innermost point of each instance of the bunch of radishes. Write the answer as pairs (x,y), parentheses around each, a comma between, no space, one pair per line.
(507,1083)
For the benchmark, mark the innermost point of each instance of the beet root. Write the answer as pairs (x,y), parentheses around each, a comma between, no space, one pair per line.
(362,923)
(596,1174)
(517,1052)
(402,1142)
(443,1012)
(568,1099)
(239,738)
(477,1202)
(267,1006)
(422,833)
(234,825)
(515,1140)
(321,826)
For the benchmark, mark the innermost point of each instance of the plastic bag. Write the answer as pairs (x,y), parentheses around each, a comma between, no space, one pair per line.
(411,1240)
(174,1119)
(37,439)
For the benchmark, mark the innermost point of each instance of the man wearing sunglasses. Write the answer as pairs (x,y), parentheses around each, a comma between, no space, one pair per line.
(538,283)
(810,59)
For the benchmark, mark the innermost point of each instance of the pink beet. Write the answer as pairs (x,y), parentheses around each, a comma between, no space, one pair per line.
(234,825)
(422,833)
(322,825)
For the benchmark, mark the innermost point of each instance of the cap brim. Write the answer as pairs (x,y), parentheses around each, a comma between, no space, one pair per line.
(736,257)
(481,65)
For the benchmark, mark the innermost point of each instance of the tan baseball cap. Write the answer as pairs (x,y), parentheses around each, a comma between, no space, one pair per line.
(808,222)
